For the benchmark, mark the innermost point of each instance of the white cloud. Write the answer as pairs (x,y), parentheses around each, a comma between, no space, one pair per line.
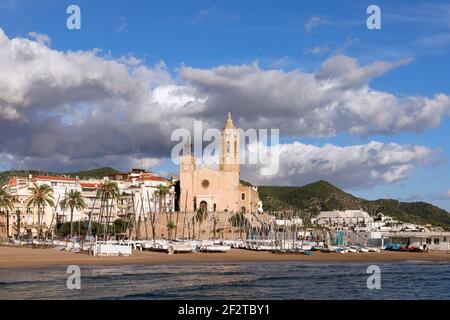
(314,22)
(444,196)
(353,166)
(335,99)
(61,163)
(65,110)
(317,50)
(281,62)
(40,38)
(211,13)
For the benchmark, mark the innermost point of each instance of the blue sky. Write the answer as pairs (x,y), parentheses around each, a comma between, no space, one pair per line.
(276,35)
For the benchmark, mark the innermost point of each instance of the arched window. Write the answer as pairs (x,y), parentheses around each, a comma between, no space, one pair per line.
(243,196)
(242,209)
(228,146)
(204,205)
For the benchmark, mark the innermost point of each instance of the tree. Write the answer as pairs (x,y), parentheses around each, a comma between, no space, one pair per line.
(238,220)
(41,196)
(6,204)
(107,191)
(73,200)
(200,215)
(162,191)
(170,226)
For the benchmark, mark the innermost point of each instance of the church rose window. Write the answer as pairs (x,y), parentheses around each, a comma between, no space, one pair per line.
(205,183)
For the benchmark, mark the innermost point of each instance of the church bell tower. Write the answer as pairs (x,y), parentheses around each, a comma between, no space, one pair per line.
(187,160)
(229,148)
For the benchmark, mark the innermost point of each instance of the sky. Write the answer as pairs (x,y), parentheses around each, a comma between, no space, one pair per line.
(367,110)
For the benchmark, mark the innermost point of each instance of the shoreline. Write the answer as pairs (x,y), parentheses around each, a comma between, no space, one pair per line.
(20,258)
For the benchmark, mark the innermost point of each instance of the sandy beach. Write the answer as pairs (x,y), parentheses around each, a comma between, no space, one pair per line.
(11,257)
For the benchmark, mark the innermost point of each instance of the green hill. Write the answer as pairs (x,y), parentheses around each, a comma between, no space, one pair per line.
(330,197)
(292,198)
(95,174)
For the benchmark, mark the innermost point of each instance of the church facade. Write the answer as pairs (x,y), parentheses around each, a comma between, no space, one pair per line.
(217,190)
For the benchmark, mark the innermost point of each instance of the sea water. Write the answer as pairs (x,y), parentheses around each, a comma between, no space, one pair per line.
(261,280)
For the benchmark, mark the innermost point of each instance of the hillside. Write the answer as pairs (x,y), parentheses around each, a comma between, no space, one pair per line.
(291,198)
(95,174)
(328,196)
(332,198)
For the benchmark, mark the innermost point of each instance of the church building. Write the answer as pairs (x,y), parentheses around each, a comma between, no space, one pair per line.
(217,190)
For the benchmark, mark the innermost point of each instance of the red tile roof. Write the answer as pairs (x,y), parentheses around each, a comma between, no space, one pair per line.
(54,178)
(12,182)
(151,178)
(89,185)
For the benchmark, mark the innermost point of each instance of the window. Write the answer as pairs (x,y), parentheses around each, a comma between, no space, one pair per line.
(445,239)
(228,147)
(214,207)
(242,209)
(243,196)
(428,240)
(436,241)
(204,205)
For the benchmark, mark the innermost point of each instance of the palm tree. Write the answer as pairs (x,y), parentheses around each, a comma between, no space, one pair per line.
(200,215)
(170,227)
(107,191)
(237,220)
(73,200)
(41,195)
(193,227)
(6,204)
(162,191)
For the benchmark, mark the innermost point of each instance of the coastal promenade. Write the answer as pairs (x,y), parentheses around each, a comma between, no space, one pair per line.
(12,257)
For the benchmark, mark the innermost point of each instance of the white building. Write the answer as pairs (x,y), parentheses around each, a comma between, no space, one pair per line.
(433,241)
(344,219)
(138,190)
(143,187)
(60,186)
(286,222)
(20,189)
(386,224)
